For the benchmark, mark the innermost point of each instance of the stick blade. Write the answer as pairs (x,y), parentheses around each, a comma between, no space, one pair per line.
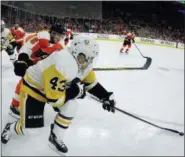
(148,63)
(144,67)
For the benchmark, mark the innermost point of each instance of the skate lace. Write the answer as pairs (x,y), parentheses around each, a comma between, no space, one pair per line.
(61,143)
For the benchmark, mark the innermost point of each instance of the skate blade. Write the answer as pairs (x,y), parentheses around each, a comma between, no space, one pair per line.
(54,149)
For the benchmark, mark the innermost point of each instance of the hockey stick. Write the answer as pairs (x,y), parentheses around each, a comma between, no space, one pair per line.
(139,50)
(145,121)
(144,67)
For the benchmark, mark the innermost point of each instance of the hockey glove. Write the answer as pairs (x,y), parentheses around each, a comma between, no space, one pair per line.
(76,90)
(22,64)
(109,103)
(20,68)
(133,41)
(71,38)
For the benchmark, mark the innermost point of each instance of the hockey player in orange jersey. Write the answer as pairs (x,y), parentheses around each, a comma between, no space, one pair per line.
(127,42)
(19,34)
(37,47)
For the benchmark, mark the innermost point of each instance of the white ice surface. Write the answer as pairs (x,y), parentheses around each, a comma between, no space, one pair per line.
(156,94)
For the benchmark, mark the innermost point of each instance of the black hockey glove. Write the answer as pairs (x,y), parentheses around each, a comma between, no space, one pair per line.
(20,68)
(133,41)
(22,64)
(109,103)
(10,49)
(71,38)
(75,90)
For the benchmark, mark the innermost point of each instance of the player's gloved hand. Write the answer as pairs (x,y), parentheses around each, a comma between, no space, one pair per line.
(109,103)
(133,41)
(75,90)
(81,90)
(71,38)
(20,68)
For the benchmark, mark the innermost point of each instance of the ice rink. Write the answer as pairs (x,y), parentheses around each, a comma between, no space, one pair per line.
(156,94)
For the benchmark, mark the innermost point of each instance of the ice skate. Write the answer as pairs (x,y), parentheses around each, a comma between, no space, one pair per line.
(57,144)
(6,134)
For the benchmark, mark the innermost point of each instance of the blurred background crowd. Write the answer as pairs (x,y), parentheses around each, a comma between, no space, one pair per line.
(156,20)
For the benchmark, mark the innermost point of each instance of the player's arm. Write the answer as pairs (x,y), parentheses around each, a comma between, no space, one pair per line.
(51,49)
(45,52)
(96,89)
(72,36)
(133,40)
(43,38)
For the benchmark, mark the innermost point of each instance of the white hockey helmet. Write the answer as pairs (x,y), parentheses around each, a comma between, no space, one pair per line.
(85,50)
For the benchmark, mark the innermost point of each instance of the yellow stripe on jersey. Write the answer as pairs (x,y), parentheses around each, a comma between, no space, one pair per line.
(23,98)
(90,79)
(54,83)
(21,122)
(32,82)
(60,103)
(33,94)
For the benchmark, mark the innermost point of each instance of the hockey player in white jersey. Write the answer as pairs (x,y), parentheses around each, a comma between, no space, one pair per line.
(6,40)
(60,79)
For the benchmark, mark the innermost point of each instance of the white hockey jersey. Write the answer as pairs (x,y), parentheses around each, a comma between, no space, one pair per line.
(51,75)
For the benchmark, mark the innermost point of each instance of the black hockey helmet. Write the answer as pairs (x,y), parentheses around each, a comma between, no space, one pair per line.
(58,28)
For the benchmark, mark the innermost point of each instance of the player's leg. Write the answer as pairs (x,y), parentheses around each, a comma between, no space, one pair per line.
(16,126)
(128,48)
(31,115)
(14,107)
(61,123)
(123,47)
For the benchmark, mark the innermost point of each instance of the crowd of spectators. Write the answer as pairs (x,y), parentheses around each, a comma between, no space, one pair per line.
(114,21)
